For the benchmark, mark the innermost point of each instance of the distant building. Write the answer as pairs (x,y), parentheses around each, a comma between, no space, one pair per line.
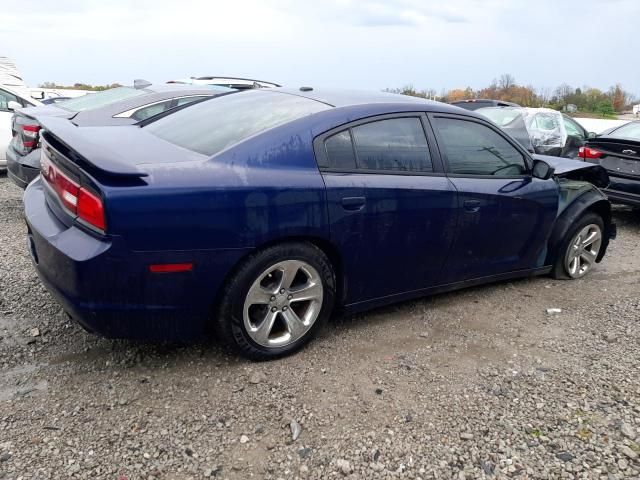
(571,108)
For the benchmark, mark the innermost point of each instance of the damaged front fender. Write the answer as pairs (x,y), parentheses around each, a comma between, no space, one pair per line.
(577,170)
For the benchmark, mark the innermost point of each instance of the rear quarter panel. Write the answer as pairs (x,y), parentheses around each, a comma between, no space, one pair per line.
(263,189)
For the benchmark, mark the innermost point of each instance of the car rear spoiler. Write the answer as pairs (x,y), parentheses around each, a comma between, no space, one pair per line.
(96,154)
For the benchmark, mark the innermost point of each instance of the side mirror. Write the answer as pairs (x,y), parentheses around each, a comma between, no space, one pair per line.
(13,105)
(542,170)
(592,135)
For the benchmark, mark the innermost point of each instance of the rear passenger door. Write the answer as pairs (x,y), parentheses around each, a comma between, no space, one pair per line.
(392,210)
(506,214)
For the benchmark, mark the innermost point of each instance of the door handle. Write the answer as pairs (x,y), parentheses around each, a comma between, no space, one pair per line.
(471,205)
(353,203)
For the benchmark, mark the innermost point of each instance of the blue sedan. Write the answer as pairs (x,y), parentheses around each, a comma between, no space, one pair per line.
(258,214)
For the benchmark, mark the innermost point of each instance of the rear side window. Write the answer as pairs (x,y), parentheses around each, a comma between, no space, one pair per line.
(339,149)
(397,144)
(151,110)
(471,148)
(210,127)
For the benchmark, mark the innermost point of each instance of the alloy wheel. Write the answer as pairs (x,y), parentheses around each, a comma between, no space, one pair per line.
(583,251)
(283,303)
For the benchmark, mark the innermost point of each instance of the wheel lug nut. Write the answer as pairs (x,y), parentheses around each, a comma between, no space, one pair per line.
(282,291)
(284,309)
(273,297)
(289,297)
(274,309)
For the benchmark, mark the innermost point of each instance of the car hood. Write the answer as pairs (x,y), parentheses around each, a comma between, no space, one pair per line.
(576,170)
(46,111)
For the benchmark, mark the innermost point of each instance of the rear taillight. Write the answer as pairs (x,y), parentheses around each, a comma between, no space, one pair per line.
(30,134)
(26,134)
(91,209)
(76,199)
(588,152)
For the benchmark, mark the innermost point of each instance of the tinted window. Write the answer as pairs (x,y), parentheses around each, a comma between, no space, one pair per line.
(187,100)
(474,149)
(340,151)
(100,99)
(151,110)
(210,127)
(395,144)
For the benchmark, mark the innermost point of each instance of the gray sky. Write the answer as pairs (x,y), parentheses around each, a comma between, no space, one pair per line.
(339,43)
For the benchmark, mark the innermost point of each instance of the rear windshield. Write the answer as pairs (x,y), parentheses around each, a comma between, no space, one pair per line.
(100,99)
(630,130)
(210,127)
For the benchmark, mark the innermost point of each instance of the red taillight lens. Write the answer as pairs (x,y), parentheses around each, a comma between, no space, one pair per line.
(30,131)
(78,200)
(588,152)
(90,209)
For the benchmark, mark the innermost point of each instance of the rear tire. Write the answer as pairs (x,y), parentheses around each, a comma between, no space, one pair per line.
(277,300)
(580,248)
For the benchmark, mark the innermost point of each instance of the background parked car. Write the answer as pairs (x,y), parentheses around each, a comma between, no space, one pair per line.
(255,213)
(117,106)
(230,82)
(541,130)
(9,101)
(476,103)
(619,153)
(51,100)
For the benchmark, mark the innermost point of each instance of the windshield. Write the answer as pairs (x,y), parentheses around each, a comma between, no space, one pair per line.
(210,127)
(501,116)
(91,101)
(630,130)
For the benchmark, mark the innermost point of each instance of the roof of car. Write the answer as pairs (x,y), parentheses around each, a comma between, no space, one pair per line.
(347,98)
(180,87)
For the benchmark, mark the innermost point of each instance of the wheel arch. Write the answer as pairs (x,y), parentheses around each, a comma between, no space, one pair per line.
(591,201)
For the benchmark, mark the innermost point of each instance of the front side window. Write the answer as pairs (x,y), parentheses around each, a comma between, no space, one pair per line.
(471,148)
(573,129)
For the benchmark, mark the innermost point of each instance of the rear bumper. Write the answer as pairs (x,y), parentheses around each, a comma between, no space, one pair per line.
(19,173)
(109,290)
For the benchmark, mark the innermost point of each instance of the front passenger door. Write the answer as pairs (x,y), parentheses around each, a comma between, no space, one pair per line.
(505,214)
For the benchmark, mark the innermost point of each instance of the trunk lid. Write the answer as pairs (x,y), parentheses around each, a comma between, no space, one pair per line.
(619,156)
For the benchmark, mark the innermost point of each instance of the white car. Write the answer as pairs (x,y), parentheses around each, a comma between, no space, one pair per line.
(11,100)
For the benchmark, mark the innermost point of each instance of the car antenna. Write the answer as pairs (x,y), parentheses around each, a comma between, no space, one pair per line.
(140,83)
(306,89)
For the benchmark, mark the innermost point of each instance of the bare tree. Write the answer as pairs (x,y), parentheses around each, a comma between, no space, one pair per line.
(506,82)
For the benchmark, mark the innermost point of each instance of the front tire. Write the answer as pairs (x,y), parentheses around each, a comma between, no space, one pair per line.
(277,300)
(580,248)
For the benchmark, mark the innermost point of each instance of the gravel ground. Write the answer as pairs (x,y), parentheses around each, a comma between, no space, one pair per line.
(481,383)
